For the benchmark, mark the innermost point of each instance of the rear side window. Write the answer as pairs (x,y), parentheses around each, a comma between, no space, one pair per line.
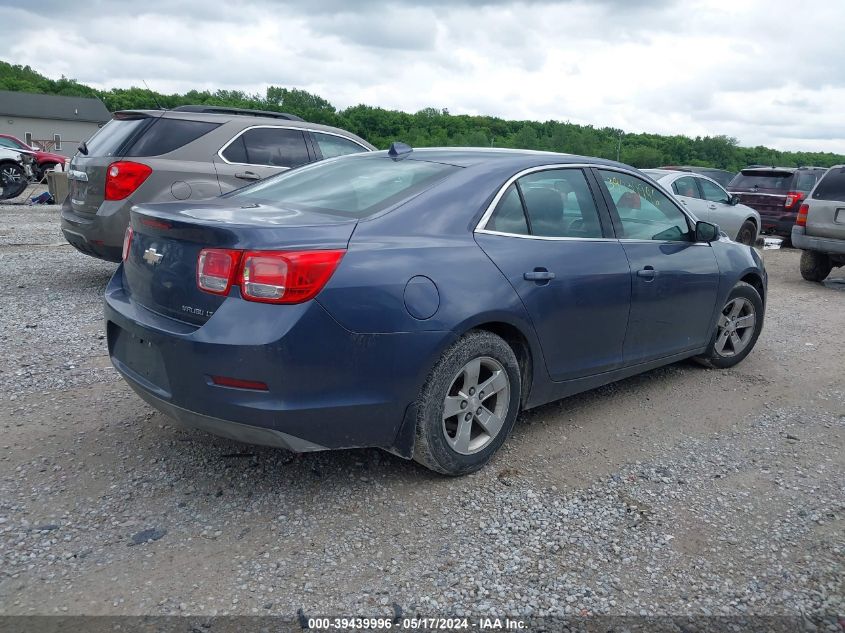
(778,180)
(270,146)
(831,186)
(557,203)
(686,187)
(114,136)
(509,216)
(331,145)
(806,180)
(350,187)
(167,135)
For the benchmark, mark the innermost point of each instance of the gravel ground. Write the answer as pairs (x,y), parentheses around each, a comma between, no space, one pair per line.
(683,491)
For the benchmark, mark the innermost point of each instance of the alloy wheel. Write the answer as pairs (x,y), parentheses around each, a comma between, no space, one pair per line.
(476,406)
(736,327)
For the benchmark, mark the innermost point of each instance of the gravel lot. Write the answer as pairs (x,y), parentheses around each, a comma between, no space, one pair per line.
(681,491)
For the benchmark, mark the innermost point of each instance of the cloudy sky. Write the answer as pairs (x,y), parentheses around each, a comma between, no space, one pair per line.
(764,71)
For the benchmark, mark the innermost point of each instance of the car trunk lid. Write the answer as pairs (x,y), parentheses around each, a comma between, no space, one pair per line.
(161,267)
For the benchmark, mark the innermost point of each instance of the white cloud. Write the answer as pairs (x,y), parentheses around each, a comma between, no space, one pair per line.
(763,71)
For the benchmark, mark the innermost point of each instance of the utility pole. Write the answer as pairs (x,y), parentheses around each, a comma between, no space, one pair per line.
(619,146)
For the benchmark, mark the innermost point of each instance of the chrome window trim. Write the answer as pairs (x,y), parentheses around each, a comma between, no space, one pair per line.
(279,127)
(545,237)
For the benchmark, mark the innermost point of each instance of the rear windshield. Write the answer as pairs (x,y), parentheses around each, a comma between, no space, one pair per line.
(832,186)
(145,136)
(348,186)
(779,180)
(112,137)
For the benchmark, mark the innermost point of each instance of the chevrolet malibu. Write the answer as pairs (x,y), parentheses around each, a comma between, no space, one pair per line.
(418,300)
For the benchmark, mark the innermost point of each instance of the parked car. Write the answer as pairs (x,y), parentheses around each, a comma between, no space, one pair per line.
(776,193)
(42,160)
(417,300)
(722,176)
(15,172)
(819,230)
(707,200)
(188,153)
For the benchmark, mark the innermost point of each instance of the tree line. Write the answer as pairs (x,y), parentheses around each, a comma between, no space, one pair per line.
(437,127)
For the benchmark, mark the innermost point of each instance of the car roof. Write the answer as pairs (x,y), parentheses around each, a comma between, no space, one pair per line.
(246,120)
(470,156)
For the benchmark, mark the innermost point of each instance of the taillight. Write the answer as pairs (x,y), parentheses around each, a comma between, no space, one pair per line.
(123,178)
(792,198)
(801,220)
(266,276)
(216,269)
(127,242)
(286,276)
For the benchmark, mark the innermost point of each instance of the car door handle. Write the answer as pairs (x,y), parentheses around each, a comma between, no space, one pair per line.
(647,273)
(539,275)
(247,175)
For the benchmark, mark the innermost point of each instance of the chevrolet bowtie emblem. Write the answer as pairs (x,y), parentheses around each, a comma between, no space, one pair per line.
(152,257)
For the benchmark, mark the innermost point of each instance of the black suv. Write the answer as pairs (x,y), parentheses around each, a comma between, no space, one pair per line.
(776,193)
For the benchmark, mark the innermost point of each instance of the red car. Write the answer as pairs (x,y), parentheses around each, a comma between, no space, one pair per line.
(43,160)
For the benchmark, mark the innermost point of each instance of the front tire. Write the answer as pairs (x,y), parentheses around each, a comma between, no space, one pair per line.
(738,326)
(747,233)
(468,405)
(815,266)
(12,180)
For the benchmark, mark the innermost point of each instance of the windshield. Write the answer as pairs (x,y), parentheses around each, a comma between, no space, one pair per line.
(348,186)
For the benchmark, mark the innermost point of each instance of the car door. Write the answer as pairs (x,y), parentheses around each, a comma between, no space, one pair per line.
(259,152)
(719,208)
(549,238)
(673,279)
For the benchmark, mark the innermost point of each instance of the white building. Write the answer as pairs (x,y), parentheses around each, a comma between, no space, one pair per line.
(52,122)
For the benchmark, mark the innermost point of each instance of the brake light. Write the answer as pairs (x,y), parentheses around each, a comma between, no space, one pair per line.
(792,198)
(127,242)
(286,276)
(801,220)
(123,178)
(216,269)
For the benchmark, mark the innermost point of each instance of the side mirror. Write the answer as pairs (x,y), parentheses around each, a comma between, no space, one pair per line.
(734,199)
(706,232)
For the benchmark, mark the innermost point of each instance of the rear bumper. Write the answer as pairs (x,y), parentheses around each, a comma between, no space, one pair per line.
(328,388)
(805,242)
(99,235)
(780,225)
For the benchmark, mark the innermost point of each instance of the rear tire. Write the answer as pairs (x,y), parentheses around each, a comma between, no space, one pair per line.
(815,266)
(738,326)
(468,405)
(747,233)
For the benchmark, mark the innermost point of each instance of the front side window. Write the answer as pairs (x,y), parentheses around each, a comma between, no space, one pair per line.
(713,192)
(644,212)
(331,145)
(551,203)
(270,146)
(686,187)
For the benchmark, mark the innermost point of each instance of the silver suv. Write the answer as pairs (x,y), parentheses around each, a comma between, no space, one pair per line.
(188,153)
(820,228)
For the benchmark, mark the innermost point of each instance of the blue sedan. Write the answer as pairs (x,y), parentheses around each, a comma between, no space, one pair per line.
(418,300)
